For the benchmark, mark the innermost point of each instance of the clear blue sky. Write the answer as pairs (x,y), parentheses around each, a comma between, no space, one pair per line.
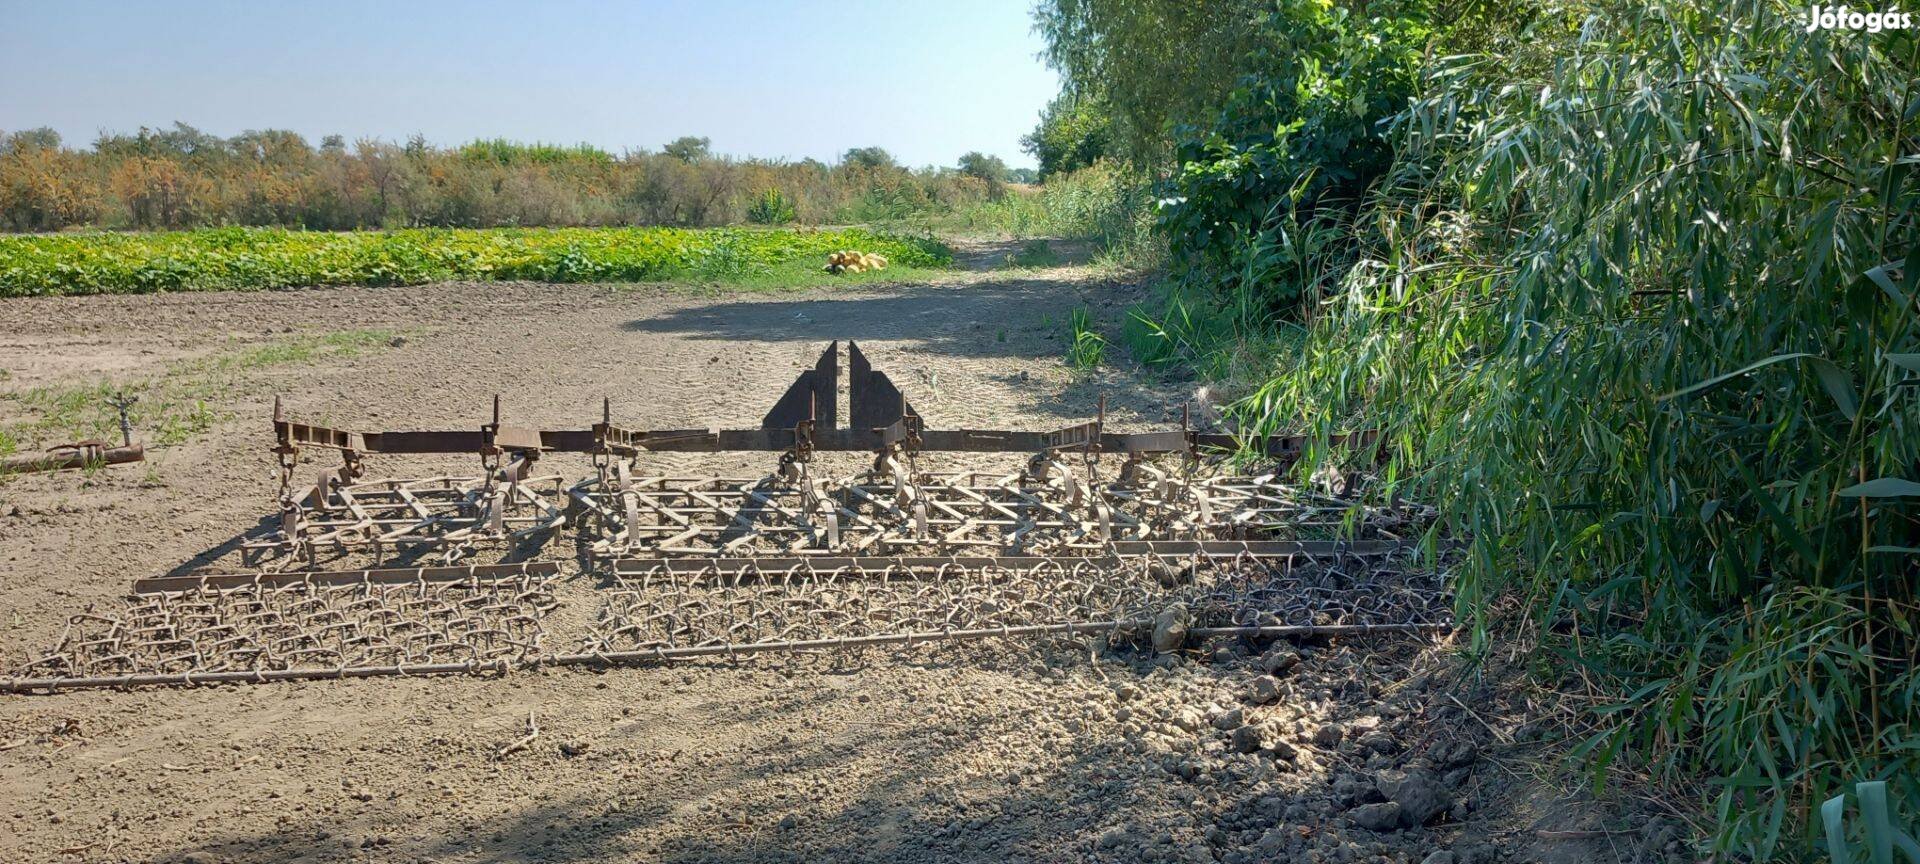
(926,80)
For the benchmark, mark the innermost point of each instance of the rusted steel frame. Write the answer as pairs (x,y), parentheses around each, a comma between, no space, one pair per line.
(420,442)
(73,456)
(698,652)
(426,504)
(388,576)
(412,513)
(632,441)
(708,517)
(490,439)
(609,438)
(1079,436)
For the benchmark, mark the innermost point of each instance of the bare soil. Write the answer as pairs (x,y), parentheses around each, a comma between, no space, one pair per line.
(1012,752)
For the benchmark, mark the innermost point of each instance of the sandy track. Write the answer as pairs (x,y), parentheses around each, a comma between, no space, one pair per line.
(981,754)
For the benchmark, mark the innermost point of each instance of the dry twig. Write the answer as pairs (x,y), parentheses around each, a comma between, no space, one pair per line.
(533,731)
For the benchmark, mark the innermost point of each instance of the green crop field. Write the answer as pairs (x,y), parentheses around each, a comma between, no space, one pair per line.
(229,259)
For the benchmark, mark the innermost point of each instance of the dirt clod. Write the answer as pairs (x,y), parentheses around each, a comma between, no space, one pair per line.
(1279,659)
(1381,816)
(1263,689)
(1421,797)
(1170,628)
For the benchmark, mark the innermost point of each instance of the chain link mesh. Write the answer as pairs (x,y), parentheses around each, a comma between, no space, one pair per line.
(256,628)
(661,608)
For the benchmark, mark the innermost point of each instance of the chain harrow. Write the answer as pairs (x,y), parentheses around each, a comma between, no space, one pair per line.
(1049,509)
(255,629)
(889,556)
(666,608)
(451,516)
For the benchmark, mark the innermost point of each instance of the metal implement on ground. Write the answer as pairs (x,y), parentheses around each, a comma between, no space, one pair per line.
(1090,530)
(91,453)
(82,454)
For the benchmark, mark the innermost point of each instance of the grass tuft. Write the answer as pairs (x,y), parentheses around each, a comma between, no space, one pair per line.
(169,409)
(1085,346)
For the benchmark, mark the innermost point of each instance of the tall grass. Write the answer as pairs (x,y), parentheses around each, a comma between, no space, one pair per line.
(1101,202)
(1637,307)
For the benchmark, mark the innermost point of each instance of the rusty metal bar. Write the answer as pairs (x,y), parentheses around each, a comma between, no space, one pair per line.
(73,456)
(690,652)
(1282,447)
(829,564)
(385,576)
(1258,548)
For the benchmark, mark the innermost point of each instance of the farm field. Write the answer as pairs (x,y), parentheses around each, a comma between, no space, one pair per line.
(971,753)
(1401,431)
(245,259)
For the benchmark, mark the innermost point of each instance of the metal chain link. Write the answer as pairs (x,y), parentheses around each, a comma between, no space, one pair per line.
(664,608)
(301,626)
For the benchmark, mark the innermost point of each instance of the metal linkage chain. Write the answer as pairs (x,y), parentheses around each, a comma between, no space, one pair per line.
(667,609)
(256,629)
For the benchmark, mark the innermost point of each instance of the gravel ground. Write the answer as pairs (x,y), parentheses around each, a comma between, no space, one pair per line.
(1236,752)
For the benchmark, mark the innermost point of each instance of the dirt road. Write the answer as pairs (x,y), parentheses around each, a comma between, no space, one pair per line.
(984,753)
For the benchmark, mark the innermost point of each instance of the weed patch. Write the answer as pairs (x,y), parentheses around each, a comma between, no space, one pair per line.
(169,409)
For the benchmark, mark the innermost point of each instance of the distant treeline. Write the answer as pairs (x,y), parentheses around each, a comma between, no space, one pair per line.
(183,177)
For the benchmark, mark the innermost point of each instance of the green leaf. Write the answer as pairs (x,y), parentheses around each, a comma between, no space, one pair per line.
(1873,808)
(1884,279)
(1785,525)
(1833,815)
(1909,362)
(1838,383)
(1883,487)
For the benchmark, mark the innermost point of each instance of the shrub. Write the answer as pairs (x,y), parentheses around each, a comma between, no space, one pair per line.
(183,178)
(770,208)
(1637,310)
(1263,194)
